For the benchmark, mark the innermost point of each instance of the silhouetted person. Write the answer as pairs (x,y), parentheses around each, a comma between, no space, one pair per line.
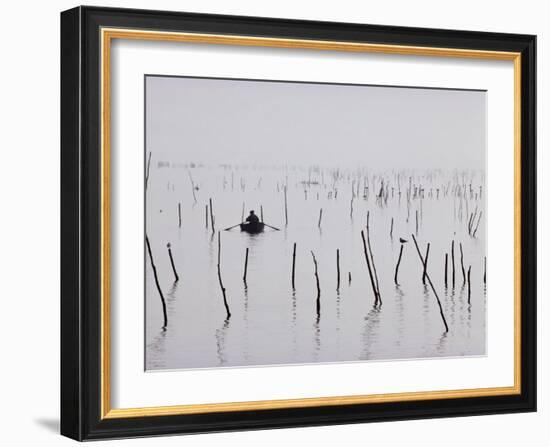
(252,218)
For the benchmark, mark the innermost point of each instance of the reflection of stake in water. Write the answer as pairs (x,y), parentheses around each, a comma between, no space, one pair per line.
(221,335)
(370,332)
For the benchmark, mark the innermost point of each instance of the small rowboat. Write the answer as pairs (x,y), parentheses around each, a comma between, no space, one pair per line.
(252,228)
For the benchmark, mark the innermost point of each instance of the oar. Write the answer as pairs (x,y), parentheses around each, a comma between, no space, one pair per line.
(275,228)
(230,228)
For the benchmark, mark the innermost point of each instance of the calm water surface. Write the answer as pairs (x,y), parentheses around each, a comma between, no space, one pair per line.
(273,324)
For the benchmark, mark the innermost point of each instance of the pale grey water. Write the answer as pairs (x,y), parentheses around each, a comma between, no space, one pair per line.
(272,324)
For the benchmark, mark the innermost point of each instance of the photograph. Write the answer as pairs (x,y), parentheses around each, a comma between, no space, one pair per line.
(295,222)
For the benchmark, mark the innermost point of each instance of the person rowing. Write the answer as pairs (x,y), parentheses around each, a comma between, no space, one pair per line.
(253,218)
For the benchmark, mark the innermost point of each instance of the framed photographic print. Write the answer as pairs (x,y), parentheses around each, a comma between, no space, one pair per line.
(276,223)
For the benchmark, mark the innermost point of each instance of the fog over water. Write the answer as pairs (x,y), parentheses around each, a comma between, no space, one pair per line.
(412,156)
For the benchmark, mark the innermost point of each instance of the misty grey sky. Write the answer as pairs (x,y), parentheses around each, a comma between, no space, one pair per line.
(226,121)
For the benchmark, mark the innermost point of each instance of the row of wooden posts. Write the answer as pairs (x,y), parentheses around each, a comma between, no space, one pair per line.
(371,268)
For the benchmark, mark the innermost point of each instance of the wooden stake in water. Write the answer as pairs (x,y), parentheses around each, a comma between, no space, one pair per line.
(157,283)
(261,213)
(206,215)
(318,286)
(211,216)
(469,284)
(179,213)
(192,186)
(242,213)
(446,260)
(397,265)
(349,278)
(425,264)
(220,276)
(245,265)
(371,276)
(432,286)
(293,266)
(485,270)
(462,264)
(372,259)
(391,229)
(477,225)
(172,262)
(337,269)
(320,217)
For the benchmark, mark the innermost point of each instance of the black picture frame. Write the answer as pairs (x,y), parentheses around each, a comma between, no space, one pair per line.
(81,210)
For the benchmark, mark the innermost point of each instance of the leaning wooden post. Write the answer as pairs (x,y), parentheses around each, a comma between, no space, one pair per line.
(425,264)
(293,266)
(432,286)
(245,265)
(397,265)
(372,260)
(469,284)
(211,216)
(337,269)
(172,262)
(157,283)
(220,276)
(462,264)
(318,286)
(373,285)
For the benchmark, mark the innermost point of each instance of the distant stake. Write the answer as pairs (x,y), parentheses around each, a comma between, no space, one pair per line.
(349,278)
(220,276)
(391,229)
(417,222)
(318,286)
(179,213)
(293,266)
(462,264)
(425,264)
(245,265)
(397,265)
(477,225)
(206,215)
(320,217)
(157,283)
(211,216)
(242,214)
(337,269)
(172,262)
(432,287)
(469,284)
(261,213)
(453,261)
(485,270)
(351,208)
